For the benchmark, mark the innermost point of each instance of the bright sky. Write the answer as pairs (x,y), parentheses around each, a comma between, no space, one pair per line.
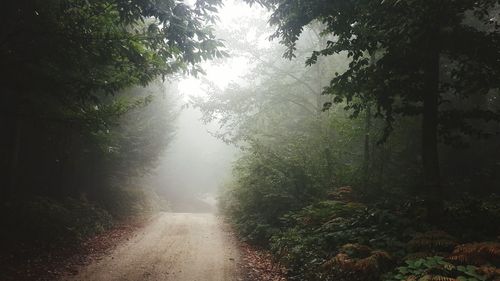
(222,73)
(219,74)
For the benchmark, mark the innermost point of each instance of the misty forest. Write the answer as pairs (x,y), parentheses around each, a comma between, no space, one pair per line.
(250,140)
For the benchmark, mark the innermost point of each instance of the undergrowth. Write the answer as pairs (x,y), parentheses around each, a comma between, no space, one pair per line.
(45,222)
(345,238)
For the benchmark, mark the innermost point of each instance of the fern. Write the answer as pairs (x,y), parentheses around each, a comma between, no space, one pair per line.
(344,194)
(437,278)
(431,243)
(358,262)
(477,253)
(490,272)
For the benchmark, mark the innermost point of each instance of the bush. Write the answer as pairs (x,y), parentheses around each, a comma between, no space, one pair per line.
(124,202)
(434,268)
(469,218)
(314,237)
(46,222)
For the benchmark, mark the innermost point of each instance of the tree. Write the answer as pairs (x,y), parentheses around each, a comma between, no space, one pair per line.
(426,53)
(62,61)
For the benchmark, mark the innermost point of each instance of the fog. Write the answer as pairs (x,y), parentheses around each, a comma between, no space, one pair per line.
(348,140)
(194,167)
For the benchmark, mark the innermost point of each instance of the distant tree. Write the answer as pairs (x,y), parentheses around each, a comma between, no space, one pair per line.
(426,54)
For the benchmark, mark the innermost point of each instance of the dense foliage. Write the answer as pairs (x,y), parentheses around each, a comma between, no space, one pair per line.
(434,59)
(85,109)
(361,165)
(369,153)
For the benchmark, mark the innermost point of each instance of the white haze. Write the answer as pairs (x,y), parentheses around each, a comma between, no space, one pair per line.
(196,164)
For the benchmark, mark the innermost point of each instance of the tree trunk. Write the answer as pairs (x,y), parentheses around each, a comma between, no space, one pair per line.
(366,155)
(430,157)
(368,127)
(15,156)
(10,148)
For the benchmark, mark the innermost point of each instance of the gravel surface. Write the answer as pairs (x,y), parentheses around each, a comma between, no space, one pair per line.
(173,246)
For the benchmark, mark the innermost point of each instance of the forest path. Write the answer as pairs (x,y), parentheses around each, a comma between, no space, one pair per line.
(173,246)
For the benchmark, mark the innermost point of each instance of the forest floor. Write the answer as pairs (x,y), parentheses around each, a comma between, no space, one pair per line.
(181,247)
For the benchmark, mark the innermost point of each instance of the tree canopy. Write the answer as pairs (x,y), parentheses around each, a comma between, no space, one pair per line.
(63,60)
(408,58)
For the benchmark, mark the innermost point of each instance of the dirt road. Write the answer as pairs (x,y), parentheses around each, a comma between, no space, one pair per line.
(173,246)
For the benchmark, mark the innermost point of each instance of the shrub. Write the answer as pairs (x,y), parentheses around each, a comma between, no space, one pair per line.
(47,222)
(430,243)
(316,236)
(434,268)
(124,202)
(357,263)
(477,253)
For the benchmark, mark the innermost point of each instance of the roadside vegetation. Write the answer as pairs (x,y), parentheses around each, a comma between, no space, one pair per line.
(86,112)
(368,130)
(372,153)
